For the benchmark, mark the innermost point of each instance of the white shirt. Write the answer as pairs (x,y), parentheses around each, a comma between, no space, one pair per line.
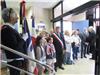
(76,39)
(9,25)
(68,43)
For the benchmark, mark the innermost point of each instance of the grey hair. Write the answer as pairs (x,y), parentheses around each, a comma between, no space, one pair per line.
(90,29)
(7,13)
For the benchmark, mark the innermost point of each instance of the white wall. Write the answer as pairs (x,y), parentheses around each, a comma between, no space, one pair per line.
(39,14)
(43,15)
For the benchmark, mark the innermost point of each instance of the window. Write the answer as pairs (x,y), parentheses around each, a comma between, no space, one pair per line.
(57,11)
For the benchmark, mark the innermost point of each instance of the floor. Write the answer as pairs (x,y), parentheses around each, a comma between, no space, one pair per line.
(83,66)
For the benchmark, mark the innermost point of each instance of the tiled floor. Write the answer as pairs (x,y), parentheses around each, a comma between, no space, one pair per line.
(83,66)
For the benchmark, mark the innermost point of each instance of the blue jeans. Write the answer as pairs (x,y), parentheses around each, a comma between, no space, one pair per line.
(75,50)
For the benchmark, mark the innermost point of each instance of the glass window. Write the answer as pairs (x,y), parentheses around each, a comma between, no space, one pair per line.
(67,25)
(57,24)
(97,13)
(72,4)
(57,11)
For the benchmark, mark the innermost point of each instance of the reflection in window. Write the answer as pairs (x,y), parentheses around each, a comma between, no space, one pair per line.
(67,25)
(57,11)
(72,4)
(97,13)
(57,24)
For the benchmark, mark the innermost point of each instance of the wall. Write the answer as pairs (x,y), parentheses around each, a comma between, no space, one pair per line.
(39,14)
(81,25)
(43,15)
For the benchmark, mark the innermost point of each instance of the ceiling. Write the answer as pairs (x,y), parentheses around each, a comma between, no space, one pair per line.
(48,4)
(34,3)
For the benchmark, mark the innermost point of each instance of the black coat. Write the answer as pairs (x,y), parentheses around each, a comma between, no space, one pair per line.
(83,37)
(98,42)
(12,39)
(57,44)
(92,41)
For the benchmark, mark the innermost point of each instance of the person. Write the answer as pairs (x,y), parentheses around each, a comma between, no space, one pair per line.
(75,44)
(43,34)
(82,36)
(50,54)
(12,39)
(59,43)
(92,41)
(67,54)
(97,60)
(40,54)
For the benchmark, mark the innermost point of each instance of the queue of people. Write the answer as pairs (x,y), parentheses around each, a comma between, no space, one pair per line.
(65,47)
(53,49)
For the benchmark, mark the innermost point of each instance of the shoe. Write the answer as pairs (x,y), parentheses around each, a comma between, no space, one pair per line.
(91,58)
(61,67)
(85,57)
(55,69)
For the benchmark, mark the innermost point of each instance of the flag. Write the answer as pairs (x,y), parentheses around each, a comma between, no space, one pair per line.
(29,46)
(3,5)
(33,23)
(22,11)
(36,71)
(33,27)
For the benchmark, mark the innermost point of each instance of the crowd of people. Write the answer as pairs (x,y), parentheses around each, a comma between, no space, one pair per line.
(54,49)
(65,48)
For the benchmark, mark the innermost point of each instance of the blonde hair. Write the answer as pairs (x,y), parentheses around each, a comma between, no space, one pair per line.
(42,33)
(67,32)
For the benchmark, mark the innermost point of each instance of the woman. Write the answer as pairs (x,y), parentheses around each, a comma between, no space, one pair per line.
(75,44)
(40,54)
(67,54)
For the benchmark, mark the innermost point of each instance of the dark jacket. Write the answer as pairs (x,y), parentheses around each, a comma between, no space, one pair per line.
(12,39)
(57,44)
(98,42)
(92,41)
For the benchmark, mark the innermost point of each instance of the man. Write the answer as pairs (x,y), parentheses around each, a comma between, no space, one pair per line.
(59,44)
(92,41)
(82,36)
(97,60)
(11,38)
